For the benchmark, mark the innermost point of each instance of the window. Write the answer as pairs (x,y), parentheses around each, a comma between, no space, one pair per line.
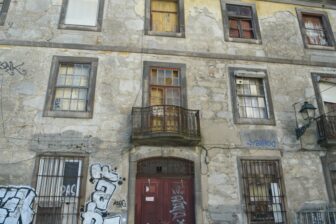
(166,94)
(82,14)
(263,193)
(251,96)
(165,17)
(60,187)
(71,87)
(240,22)
(4,6)
(315,29)
(329,169)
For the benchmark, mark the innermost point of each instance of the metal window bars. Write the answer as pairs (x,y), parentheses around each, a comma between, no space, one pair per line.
(58,186)
(263,191)
(324,214)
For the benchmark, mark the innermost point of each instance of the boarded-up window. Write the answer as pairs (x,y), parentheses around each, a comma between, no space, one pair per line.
(263,192)
(315,30)
(240,21)
(82,12)
(164,16)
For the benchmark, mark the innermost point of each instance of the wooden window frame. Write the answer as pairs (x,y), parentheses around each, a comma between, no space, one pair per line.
(252,73)
(326,26)
(242,189)
(181,21)
(4,11)
(97,28)
(148,65)
(329,165)
(254,20)
(315,78)
(48,108)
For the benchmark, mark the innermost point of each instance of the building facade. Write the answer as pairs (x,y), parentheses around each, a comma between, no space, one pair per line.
(167,111)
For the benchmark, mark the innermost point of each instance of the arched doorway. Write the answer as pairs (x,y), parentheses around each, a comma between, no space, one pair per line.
(164,191)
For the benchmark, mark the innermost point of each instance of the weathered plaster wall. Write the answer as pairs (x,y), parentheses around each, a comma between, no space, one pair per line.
(106,137)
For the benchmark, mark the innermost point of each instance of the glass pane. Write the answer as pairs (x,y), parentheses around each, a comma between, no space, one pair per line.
(76,80)
(62,70)
(59,93)
(234,33)
(239,10)
(312,22)
(249,112)
(70,70)
(81,105)
(153,78)
(84,81)
(161,77)
(73,105)
(246,24)
(68,80)
(82,94)
(254,102)
(82,12)
(65,104)
(75,94)
(316,37)
(242,112)
(67,93)
(168,77)
(261,102)
(253,90)
(60,80)
(176,78)
(233,23)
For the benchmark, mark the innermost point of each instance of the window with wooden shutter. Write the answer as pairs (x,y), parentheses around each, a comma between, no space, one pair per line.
(164,16)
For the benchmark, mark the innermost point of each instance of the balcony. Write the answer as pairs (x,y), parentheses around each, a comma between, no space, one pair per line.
(326,126)
(165,125)
(322,215)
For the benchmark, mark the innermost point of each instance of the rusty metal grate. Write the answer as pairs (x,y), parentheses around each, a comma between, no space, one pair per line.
(165,166)
(59,188)
(263,191)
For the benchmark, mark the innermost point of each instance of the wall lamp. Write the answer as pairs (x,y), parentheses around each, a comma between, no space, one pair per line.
(308,114)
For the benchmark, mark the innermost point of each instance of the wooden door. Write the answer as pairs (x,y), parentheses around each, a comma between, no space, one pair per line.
(164,201)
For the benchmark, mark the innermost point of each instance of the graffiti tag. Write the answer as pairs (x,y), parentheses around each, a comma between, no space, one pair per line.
(16,205)
(11,69)
(105,180)
(178,210)
(120,204)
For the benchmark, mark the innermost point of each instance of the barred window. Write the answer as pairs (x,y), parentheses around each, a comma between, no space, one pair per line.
(60,188)
(263,191)
(251,96)
(71,87)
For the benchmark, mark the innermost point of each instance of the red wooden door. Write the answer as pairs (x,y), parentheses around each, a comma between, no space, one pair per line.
(164,201)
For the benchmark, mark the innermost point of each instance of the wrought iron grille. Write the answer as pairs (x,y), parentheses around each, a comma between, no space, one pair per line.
(165,119)
(320,215)
(326,126)
(165,166)
(59,187)
(263,191)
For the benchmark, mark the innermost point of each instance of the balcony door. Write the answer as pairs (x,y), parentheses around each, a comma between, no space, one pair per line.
(327,87)
(165,95)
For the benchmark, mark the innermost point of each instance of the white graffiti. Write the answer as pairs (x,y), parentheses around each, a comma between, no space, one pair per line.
(105,180)
(178,205)
(16,204)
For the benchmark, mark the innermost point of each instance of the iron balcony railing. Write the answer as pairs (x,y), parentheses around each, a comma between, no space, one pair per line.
(165,121)
(326,126)
(322,215)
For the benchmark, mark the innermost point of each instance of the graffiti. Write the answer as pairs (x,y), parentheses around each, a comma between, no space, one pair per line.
(11,69)
(105,181)
(264,143)
(120,204)
(16,205)
(178,205)
(69,190)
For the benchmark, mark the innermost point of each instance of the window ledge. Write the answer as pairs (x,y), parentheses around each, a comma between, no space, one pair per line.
(320,47)
(79,27)
(252,121)
(166,34)
(67,114)
(242,40)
